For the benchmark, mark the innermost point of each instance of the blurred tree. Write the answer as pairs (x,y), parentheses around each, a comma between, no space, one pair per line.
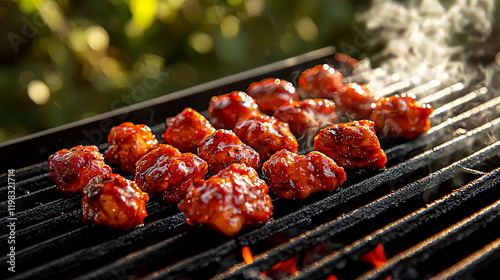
(61,61)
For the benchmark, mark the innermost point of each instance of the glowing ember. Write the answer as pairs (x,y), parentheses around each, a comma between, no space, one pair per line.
(375,257)
(279,270)
(282,269)
(331,277)
(247,254)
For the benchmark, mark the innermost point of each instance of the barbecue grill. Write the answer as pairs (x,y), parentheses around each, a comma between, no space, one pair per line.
(434,208)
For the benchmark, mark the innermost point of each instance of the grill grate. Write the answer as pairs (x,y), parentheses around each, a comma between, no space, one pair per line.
(438,191)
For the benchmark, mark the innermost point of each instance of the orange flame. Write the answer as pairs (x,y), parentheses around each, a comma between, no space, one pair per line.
(331,277)
(375,257)
(247,254)
(280,269)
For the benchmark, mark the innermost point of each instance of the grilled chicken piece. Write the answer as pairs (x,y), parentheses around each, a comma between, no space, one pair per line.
(223,147)
(401,115)
(291,175)
(351,145)
(165,170)
(271,93)
(226,202)
(266,135)
(321,81)
(114,201)
(128,142)
(186,130)
(72,169)
(225,110)
(308,116)
(355,101)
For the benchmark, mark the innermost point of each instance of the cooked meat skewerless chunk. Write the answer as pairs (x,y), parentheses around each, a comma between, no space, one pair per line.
(401,115)
(223,147)
(266,135)
(72,169)
(114,201)
(170,174)
(226,202)
(225,110)
(308,116)
(355,101)
(321,81)
(271,93)
(351,145)
(149,159)
(128,142)
(291,175)
(186,129)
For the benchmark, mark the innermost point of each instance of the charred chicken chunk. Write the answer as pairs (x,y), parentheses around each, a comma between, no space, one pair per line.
(401,115)
(171,174)
(321,81)
(225,110)
(185,130)
(308,116)
(128,142)
(226,202)
(351,145)
(266,135)
(291,175)
(72,169)
(355,100)
(114,201)
(223,147)
(147,160)
(271,93)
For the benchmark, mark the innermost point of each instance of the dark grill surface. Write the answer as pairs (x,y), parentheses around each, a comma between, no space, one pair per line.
(434,208)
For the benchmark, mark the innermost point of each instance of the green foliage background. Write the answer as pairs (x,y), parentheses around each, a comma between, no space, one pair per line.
(91,54)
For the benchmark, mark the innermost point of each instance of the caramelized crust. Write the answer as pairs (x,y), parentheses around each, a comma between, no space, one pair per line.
(291,175)
(351,145)
(401,115)
(266,135)
(114,201)
(321,81)
(271,93)
(355,101)
(147,160)
(128,142)
(308,116)
(225,110)
(226,202)
(186,129)
(171,174)
(223,147)
(72,169)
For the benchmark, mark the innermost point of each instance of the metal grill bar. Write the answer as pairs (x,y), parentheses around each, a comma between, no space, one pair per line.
(446,92)
(72,261)
(44,212)
(459,101)
(26,201)
(472,263)
(404,225)
(422,251)
(369,211)
(48,228)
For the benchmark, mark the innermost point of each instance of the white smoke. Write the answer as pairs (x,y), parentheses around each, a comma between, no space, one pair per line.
(427,38)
